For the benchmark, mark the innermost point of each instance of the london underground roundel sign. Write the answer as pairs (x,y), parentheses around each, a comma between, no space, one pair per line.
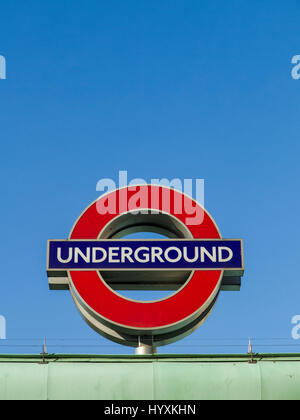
(94,263)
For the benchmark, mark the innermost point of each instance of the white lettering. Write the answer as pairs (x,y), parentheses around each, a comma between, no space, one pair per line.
(79,253)
(190,260)
(126,252)
(113,251)
(145,258)
(156,253)
(173,248)
(94,255)
(224,248)
(62,260)
(212,257)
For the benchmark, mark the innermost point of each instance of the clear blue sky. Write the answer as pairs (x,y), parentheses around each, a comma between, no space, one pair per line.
(175,89)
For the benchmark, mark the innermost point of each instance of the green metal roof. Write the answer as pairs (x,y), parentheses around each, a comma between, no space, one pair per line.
(143,377)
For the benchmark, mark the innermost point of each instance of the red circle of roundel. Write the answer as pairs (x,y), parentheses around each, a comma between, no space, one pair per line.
(134,314)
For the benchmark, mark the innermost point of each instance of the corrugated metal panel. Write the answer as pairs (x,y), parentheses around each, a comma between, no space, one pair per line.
(161,377)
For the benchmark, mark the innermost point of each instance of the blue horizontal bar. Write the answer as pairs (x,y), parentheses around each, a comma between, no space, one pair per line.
(171,254)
